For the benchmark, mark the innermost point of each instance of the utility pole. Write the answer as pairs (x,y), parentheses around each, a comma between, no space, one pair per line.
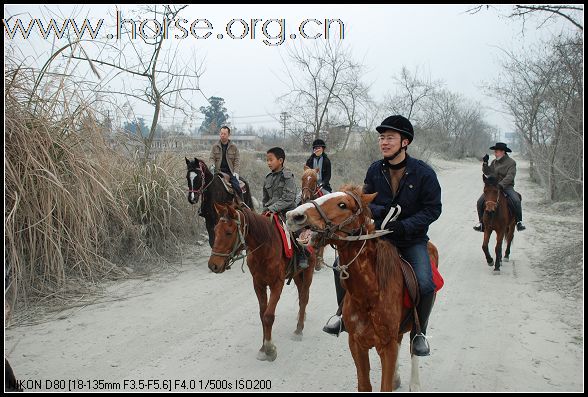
(283,117)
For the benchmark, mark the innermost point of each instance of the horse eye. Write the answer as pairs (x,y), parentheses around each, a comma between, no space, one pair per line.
(342,206)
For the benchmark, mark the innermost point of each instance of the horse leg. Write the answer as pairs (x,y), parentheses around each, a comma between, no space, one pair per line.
(498,250)
(397,381)
(303,281)
(261,292)
(319,259)
(362,365)
(485,247)
(509,237)
(268,321)
(415,381)
(210,223)
(389,358)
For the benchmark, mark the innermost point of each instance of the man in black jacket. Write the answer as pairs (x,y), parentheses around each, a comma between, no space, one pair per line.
(411,185)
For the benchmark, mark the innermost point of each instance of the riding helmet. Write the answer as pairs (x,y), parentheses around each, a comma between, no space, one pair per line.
(318,142)
(399,124)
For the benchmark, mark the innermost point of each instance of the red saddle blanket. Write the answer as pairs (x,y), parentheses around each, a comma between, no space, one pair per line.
(437,279)
(288,251)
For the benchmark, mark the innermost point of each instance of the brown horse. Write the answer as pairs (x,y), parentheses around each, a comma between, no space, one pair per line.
(498,218)
(244,229)
(312,190)
(373,306)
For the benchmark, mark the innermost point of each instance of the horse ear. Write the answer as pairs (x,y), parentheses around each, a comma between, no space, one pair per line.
(220,208)
(187,161)
(306,167)
(316,170)
(368,198)
(231,210)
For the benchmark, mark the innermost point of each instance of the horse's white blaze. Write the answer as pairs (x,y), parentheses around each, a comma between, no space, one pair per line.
(320,201)
(308,178)
(415,382)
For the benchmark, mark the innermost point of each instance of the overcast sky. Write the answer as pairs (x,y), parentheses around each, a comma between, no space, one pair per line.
(442,41)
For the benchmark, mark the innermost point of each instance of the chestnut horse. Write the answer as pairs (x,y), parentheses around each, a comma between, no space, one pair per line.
(239,229)
(312,190)
(497,217)
(373,307)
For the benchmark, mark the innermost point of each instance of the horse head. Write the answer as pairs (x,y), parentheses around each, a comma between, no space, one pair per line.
(334,215)
(196,176)
(310,188)
(228,237)
(491,193)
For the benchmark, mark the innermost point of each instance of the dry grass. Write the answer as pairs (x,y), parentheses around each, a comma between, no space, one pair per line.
(75,209)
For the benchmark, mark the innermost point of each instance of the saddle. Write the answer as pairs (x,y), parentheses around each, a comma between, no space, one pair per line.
(225,178)
(511,206)
(411,292)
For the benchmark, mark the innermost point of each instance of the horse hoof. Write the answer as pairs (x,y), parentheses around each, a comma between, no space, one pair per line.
(261,356)
(296,336)
(397,383)
(491,263)
(497,269)
(272,354)
(505,259)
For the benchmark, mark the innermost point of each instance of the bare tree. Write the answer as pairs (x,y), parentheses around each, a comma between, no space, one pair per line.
(412,94)
(543,91)
(166,86)
(573,13)
(320,75)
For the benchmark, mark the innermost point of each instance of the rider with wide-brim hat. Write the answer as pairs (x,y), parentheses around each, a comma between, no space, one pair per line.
(504,169)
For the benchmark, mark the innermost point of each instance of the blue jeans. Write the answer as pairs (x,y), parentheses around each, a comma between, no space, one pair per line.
(418,256)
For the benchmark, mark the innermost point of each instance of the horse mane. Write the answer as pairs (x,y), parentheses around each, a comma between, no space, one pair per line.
(387,262)
(260,226)
(387,257)
(308,172)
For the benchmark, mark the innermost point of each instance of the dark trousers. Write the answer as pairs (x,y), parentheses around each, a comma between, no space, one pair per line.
(236,187)
(418,256)
(515,204)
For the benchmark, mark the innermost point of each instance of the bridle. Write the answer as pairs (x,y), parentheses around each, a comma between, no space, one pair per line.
(493,213)
(314,194)
(331,229)
(203,186)
(239,242)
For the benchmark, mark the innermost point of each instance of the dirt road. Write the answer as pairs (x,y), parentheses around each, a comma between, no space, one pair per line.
(192,329)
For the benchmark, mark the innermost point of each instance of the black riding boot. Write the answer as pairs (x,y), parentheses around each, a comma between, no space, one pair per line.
(338,326)
(419,344)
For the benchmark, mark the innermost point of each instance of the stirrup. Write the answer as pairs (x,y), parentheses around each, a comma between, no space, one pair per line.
(479,227)
(520,226)
(426,343)
(331,331)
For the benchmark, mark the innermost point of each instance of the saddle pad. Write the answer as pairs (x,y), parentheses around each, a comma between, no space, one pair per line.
(285,235)
(227,184)
(437,280)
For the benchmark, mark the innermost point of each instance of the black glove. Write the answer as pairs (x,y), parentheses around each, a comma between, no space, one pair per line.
(485,158)
(397,228)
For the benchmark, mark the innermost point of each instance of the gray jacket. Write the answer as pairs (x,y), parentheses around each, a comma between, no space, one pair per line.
(504,170)
(279,191)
